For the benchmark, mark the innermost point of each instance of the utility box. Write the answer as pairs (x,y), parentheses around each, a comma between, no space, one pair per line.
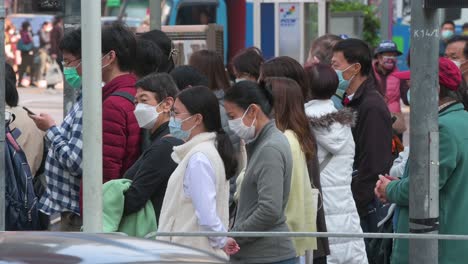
(189,39)
(348,23)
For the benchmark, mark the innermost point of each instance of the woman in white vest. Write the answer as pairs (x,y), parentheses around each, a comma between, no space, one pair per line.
(198,191)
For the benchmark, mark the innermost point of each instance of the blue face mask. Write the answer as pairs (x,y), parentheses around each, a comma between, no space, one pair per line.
(175,128)
(343,84)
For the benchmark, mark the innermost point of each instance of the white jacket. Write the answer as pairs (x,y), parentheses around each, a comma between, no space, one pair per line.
(332,129)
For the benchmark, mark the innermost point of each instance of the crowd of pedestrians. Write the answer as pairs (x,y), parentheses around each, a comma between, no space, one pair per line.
(279,147)
(39,60)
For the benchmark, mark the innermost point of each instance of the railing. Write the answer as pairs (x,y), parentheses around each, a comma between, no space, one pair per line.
(310,234)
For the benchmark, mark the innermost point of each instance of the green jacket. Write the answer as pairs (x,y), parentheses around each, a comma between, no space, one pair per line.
(137,224)
(453,185)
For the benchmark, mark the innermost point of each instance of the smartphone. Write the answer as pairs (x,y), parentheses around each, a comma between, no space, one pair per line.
(29,111)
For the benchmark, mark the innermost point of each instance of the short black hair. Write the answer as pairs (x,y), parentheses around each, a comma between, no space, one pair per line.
(71,42)
(122,41)
(356,51)
(11,94)
(161,84)
(465,26)
(323,81)
(165,44)
(465,50)
(245,93)
(25,25)
(248,61)
(457,38)
(187,76)
(448,22)
(148,56)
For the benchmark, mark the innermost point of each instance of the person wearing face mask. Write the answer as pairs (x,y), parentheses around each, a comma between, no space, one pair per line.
(390,86)
(63,168)
(457,52)
(198,190)
(447,31)
(265,189)
(150,173)
(352,60)
(121,132)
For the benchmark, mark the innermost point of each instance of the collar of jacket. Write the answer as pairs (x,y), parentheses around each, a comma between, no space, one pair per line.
(365,87)
(451,107)
(266,130)
(122,81)
(181,151)
(160,132)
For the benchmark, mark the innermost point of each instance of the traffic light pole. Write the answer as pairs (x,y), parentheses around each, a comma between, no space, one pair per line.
(424,133)
(92,115)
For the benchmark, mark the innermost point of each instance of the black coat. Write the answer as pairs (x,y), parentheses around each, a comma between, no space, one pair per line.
(373,137)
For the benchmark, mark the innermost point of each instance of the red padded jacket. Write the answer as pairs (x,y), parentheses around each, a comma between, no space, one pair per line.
(121,132)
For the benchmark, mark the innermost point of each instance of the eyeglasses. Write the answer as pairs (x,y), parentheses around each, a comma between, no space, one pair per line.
(67,63)
(173,114)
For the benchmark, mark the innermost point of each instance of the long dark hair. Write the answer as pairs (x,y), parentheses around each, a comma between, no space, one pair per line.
(286,67)
(201,100)
(210,64)
(289,112)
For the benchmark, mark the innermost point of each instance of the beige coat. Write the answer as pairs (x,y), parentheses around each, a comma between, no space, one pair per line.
(31,139)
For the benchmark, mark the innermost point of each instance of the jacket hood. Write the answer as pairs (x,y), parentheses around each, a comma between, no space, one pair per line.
(333,130)
(346,117)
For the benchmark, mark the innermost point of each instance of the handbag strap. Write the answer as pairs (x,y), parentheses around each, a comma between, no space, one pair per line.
(325,162)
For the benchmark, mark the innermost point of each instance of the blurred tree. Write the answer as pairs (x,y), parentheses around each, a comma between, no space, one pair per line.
(371,21)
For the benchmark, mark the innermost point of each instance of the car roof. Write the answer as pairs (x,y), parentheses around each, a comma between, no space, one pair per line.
(62,247)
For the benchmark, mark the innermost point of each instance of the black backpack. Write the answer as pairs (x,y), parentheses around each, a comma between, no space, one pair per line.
(21,211)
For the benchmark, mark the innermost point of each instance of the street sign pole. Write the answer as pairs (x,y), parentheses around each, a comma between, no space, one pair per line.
(424,133)
(92,115)
(2,117)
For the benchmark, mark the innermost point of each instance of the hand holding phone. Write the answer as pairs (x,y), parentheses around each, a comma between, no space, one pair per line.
(29,111)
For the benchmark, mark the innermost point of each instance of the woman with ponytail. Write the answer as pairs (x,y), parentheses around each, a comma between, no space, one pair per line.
(198,191)
(264,191)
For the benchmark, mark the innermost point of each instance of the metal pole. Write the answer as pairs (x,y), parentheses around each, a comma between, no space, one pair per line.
(2,117)
(155,14)
(71,21)
(92,116)
(385,19)
(322,17)
(424,133)
(257,27)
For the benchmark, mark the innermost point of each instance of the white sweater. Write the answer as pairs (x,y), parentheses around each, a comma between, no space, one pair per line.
(178,213)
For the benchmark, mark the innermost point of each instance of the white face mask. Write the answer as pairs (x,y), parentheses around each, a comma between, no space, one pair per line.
(146,115)
(246,133)
(458,63)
